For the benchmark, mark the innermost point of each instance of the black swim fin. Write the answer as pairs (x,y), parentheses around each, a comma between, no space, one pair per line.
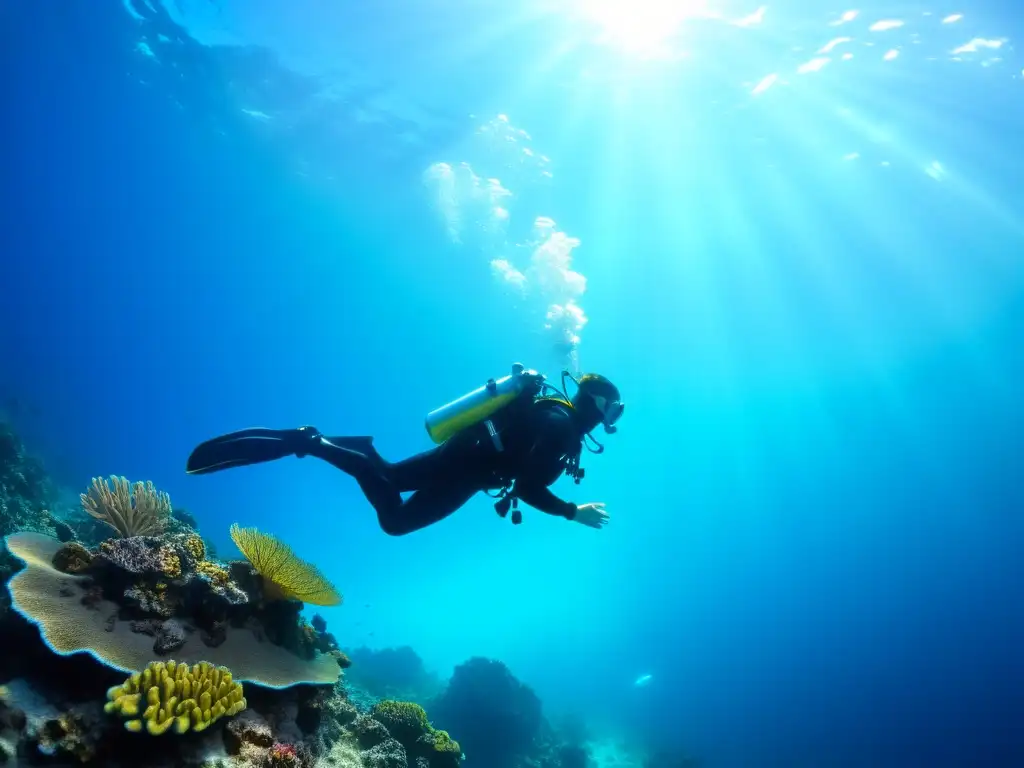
(250,446)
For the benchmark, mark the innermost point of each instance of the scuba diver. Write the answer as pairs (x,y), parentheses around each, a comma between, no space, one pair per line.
(509,438)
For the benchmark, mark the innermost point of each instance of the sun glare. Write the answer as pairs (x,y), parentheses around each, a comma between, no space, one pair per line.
(641,27)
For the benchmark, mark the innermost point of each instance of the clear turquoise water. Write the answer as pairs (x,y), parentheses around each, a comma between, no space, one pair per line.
(799,255)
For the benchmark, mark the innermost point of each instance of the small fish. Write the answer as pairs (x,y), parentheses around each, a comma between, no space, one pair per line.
(643,680)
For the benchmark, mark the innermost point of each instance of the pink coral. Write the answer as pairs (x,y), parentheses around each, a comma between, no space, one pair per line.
(283,755)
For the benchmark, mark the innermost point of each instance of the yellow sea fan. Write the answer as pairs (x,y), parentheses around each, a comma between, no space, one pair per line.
(284,573)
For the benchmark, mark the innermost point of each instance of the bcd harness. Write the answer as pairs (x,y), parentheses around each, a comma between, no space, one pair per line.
(505,495)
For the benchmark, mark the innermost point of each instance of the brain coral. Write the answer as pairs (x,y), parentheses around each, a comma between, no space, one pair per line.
(70,622)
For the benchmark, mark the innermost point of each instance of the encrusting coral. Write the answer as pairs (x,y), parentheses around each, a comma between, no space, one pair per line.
(187,698)
(284,574)
(195,546)
(408,724)
(86,613)
(137,509)
(215,573)
(72,557)
(404,720)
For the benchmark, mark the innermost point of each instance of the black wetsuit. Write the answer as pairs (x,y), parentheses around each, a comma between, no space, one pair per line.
(539,442)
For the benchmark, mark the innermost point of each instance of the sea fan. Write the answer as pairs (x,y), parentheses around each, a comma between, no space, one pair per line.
(284,574)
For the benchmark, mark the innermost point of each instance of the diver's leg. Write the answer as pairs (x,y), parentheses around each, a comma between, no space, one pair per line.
(357,457)
(360,444)
(423,508)
(439,478)
(410,474)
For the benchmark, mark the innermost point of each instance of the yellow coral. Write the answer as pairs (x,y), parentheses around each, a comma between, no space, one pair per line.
(187,698)
(169,562)
(401,715)
(213,572)
(195,546)
(136,509)
(284,574)
(445,743)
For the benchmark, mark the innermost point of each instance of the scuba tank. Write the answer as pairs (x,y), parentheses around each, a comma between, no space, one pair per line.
(480,404)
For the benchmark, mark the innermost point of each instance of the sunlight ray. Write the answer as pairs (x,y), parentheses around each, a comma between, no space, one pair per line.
(939,280)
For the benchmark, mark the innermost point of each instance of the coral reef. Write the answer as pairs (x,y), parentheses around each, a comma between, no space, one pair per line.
(72,557)
(187,698)
(497,717)
(26,495)
(25,490)
(404,720)
(392,673)
(28,718)
(81,524)
(131,587)
(284,575)
(109,610)
(407,724)
(129,509)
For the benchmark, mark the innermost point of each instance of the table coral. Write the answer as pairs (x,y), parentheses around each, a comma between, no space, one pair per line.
(72,618)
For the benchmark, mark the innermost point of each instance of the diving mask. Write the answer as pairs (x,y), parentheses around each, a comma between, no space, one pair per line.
(611,412)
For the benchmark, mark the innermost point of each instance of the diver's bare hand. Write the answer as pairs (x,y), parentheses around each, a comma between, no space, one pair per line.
(591,514)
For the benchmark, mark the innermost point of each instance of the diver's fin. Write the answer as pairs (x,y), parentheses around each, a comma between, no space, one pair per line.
(249,446)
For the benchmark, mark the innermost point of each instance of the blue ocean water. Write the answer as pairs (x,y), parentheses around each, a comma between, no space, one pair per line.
(799,256)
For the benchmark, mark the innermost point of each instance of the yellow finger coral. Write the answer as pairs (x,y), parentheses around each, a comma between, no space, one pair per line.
(284,574)
(187,698)
(195,546)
